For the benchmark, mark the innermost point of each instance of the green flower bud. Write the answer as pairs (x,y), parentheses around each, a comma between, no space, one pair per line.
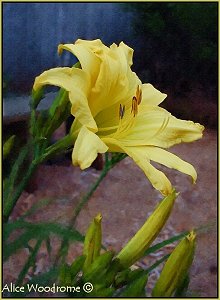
(92,243)
(136,247)
(8,146)
(176,268)
(37,96)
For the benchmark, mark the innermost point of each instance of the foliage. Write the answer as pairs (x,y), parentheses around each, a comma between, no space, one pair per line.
(179,42)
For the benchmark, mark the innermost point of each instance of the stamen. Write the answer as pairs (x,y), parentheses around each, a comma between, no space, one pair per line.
(121,111)
(136,100)
(134,106)
(138,95)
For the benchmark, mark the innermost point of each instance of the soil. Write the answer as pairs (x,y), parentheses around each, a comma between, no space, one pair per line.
(125,198)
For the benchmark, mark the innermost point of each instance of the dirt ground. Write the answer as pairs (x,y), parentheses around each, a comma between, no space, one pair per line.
(125,198)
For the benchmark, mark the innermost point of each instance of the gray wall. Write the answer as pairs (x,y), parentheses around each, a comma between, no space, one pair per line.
(32,31)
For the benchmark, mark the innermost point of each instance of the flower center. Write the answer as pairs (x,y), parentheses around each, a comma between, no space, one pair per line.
(127,121)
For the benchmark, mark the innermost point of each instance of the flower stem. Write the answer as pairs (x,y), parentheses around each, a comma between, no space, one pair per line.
(86,198)
(64,245)
(11,201)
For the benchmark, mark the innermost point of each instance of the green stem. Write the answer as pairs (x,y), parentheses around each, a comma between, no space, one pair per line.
(109,164)
(86,198)
(29,263)
(64,246)
(10,182)
(11,201)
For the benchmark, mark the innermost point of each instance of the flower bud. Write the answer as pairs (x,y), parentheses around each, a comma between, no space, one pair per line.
(92,243)
(8,146)
(176,268)
(136,247)
(37,96)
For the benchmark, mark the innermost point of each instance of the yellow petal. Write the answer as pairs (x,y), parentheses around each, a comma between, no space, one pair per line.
(90,63)
(77,83)
(86,148)
(157,178)
(94,45)
(177,131)
(157,127)
(109,116)
(139,155)
(170,160)
(128,52)
(116,83)
(151,96)
(61,77)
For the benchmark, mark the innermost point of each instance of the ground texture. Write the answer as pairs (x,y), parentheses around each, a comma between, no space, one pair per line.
(125,198)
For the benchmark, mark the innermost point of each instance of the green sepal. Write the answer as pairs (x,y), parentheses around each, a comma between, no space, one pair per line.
(98,267)
(76,266)
(137,287)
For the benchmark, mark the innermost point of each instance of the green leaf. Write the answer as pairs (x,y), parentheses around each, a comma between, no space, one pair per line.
(35,231)
(48,245)
(65,275)
(44,279)
(38,205)
(165,243)
(30,262)
(10,183)
(157,263)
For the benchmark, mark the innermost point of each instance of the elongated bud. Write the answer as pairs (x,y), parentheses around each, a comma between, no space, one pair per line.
(37,96)
(92,243)
(176,268)
(8,146)
(136,247)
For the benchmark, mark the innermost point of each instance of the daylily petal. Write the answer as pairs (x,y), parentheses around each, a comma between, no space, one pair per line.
(94,45)
(139,155)
(177,131)
(157,178)
(151,96)
(77,83)
(128,52)
(122,85)
(157,127)
(86,148)
(90,63)
(170,160)
(109,116)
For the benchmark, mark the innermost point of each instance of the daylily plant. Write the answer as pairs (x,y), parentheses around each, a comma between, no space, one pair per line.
(115,112)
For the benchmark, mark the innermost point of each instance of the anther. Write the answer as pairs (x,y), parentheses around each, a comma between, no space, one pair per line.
(138,95)
(134,106)
(121,111)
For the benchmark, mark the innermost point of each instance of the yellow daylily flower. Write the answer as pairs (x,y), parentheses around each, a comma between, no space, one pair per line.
(115,112)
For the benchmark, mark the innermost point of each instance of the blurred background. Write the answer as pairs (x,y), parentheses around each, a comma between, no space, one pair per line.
(175,49)
(175,46)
